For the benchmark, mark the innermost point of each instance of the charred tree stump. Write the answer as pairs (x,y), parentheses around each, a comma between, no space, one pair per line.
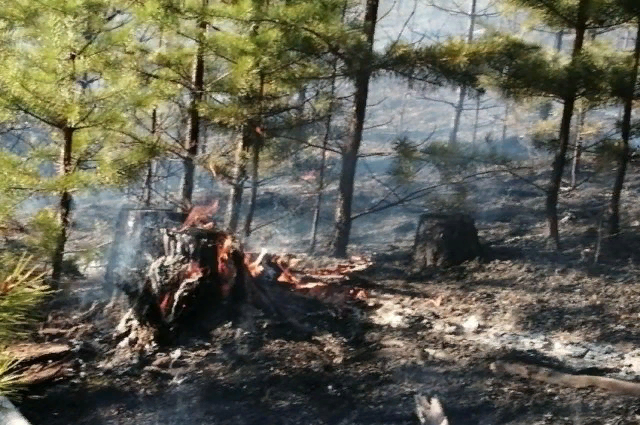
(444,240)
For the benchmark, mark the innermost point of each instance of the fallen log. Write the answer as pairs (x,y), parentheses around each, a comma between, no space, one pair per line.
(550,376)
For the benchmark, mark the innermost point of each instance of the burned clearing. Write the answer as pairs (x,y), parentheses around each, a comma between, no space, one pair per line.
(355,341)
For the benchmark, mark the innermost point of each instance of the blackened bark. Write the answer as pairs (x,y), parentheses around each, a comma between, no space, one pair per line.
(350,151)
(614,219)
(565,129)
(64,208)
(191,142)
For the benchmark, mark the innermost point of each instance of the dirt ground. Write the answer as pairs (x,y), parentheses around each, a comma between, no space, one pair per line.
(432,333)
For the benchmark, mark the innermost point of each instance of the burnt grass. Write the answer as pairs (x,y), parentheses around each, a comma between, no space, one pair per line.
(366,370)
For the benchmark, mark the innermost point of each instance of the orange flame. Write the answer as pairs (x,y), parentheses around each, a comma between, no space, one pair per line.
(224,251)
(254,267)
(200,216)
(286,276)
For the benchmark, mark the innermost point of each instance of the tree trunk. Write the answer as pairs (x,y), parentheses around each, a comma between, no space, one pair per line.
(64,207)
(577,151)
(350,151)
(255,163)
(323,161)
(614,219)
(507,108)
(547,107)
(148,182)
(237,185)
(565,129)
(191,143)
(257,141)
(462,91)
(476,120)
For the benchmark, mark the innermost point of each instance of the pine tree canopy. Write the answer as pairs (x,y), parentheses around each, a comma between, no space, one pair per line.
(562,14)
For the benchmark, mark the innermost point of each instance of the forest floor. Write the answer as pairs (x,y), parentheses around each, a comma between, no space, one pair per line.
(434,334)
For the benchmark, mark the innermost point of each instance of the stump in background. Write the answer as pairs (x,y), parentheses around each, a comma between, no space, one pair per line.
(444,240)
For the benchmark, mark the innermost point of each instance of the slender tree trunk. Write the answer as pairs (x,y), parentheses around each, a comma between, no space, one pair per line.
(614,219)
(476,121)
(462,91)
(237,186)
(148,181)
(505,119)
(577,150)
(323,160)
(257,141)
(565,130)
(319,191)
(255,163)
(64,208)
(191,143)
(350,150)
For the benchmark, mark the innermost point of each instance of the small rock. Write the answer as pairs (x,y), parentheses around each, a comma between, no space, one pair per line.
(126,342)
(471,324)
(571,350)
(157,371)
(446,328)
(162,362)
(175,354)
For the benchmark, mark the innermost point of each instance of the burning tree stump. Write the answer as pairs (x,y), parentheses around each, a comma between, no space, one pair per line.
(193,275)
(445,240)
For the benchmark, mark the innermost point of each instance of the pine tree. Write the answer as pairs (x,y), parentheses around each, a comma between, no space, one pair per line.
(578,16)
(62,70)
